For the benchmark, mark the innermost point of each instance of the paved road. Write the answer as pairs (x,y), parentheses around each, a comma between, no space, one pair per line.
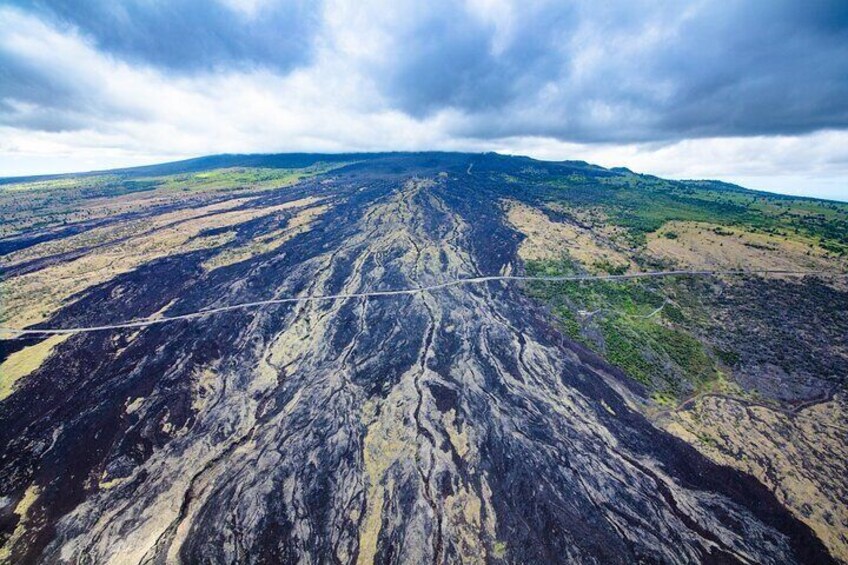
(144,322)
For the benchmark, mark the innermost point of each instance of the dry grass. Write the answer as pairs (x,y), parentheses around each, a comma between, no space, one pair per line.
(546,239)
(22,509)
(108,234)
(387,441)
(301,223)
(595,219)
(33,297)
(24,362)
(699,245)
(803,458)
(43,204)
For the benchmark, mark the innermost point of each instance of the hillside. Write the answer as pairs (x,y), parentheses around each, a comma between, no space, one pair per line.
(575,415)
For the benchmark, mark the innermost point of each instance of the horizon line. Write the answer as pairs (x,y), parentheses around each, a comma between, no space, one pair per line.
(621,169)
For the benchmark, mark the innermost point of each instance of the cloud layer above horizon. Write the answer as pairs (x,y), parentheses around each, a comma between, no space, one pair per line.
(736,89)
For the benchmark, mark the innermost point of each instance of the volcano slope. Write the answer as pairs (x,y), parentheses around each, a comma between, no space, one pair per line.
(466,424)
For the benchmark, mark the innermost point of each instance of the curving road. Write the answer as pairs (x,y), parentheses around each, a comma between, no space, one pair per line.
(143,322)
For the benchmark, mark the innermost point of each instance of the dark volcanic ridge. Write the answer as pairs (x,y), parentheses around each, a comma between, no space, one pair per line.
(460,426)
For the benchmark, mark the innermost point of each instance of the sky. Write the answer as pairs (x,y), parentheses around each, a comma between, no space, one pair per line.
(747,91)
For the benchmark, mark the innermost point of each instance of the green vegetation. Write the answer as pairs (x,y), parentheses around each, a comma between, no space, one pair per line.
(626,297)
(563,267)
(664,399)
(236,178)
(568,322)
(632,324)
(663,333)
(623,349)
(726,356)
(611,268)
(643,204)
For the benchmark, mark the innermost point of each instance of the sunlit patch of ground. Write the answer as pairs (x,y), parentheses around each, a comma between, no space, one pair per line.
(697,245)
(595,219)
(22,363)
(300,223)
(546,239)
(111,233)
(59,202)
(802,457)
(33,297)
(22,509)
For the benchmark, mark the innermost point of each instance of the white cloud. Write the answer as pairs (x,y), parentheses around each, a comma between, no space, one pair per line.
(247,8)
(133,114)
(808,165)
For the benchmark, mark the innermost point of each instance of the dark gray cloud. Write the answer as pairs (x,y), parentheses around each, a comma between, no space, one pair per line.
(450,57)
(650,71)
(583,71)
(769,67)
(189,35)
(51,96)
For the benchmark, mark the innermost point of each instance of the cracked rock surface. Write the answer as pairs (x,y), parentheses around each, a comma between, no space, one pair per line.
(449,426)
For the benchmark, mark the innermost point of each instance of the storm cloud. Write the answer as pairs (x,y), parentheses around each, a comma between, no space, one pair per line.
(644,71)
(379,74)
(190,35)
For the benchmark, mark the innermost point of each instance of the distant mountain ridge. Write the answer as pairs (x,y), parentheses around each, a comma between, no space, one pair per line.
(298,160)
